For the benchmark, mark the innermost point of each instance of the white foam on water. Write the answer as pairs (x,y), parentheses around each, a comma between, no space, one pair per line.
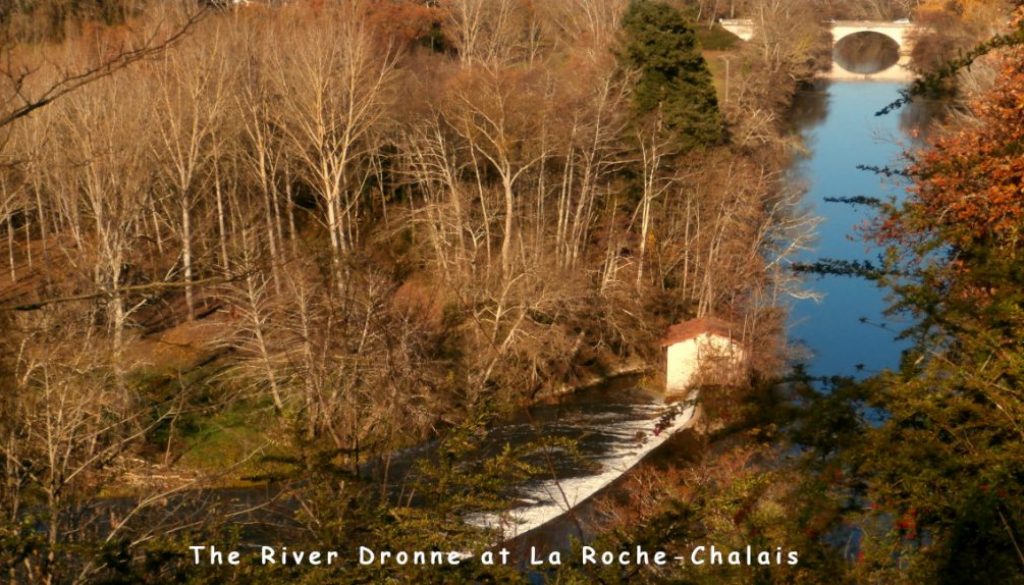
(554,498)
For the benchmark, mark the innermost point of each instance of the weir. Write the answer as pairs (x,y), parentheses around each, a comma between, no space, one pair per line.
(613,439)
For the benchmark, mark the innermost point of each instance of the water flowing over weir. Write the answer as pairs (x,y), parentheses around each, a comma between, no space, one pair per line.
(612,426)
(612,439)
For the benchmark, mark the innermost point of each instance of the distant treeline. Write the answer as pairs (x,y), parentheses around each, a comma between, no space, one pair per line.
(42,20)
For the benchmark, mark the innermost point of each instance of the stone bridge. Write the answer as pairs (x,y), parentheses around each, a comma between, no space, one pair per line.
(897,31)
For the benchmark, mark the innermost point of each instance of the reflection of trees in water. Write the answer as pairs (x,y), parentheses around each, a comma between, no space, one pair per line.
(866,52)
(921,116)
(810,106)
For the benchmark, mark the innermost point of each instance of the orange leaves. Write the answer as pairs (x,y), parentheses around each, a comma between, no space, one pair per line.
(404,22)
(396,23)
(970,184)
(907,524)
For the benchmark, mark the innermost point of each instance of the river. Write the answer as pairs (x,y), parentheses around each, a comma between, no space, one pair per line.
(846,332)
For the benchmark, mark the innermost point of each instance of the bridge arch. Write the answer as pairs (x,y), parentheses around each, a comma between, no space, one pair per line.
(894,30)
(865,53)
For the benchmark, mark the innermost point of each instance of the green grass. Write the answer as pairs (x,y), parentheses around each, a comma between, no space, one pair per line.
(717,67)
(718,44)
(238,437)
(716,38)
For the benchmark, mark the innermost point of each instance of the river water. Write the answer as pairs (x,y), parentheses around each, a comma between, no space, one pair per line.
(846,332)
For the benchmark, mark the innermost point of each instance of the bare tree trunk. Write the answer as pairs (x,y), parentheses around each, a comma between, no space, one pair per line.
(186,258)
(222,231)
(507,236)
(261,343)
(654,185)
(8,223)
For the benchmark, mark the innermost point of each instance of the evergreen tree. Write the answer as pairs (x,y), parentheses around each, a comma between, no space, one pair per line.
(673,76)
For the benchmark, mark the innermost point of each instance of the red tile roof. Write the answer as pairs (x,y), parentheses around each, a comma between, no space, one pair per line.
(694,327)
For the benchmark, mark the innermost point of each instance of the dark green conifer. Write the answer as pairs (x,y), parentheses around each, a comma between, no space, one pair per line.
(673,76)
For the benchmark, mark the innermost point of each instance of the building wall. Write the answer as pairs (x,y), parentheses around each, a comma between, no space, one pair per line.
(705,359)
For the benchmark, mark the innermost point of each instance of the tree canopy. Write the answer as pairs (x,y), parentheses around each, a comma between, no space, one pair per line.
(673,77)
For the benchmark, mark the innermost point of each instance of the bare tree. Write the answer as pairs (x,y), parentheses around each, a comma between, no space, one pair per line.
(497,112)
(192,87)
(492,32)
(654,149)
(337,89)
(265,155)
(593,124)
(65,436)
(106,172)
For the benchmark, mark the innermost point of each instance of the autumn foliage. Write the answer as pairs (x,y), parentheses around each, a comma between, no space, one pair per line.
(960,228)
(969,185)
(407,23)
(948,495)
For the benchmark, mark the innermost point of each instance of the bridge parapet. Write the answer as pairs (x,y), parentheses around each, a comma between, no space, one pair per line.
(896,31)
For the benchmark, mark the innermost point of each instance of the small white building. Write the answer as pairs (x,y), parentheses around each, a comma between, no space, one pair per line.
(701,352)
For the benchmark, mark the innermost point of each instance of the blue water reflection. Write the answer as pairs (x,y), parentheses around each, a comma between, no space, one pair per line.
(847,333)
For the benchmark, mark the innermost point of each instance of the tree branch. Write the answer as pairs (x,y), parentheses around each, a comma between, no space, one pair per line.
(74,81)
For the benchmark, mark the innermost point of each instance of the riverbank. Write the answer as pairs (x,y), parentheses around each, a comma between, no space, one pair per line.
(632,369)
